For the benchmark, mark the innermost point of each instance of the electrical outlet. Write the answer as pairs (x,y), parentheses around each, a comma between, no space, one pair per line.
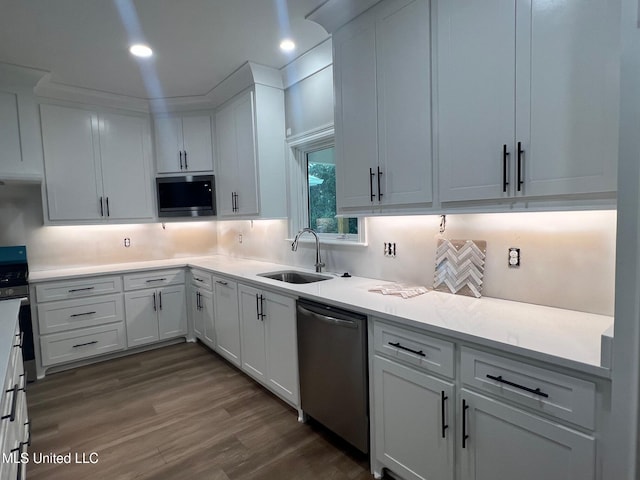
(389,249)
(239,238)
(127,242)
(514,257)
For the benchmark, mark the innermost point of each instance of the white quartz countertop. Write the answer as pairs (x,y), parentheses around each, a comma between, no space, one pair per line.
(562,337)
(9,310)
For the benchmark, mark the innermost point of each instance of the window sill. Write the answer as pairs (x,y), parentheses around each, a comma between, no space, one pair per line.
(329,243)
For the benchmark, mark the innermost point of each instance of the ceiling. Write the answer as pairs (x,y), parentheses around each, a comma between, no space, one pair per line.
(197,43)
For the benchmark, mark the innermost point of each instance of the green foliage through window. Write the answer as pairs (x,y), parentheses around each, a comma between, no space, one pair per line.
(321,184)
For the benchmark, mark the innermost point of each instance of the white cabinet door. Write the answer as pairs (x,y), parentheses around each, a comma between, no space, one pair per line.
(568,95)
(141,317)
(227,168)
(124,151)
(236,157)
(476,97)
(172,312)
(281,345)
(10,149)
(414,433)
(247,183)
(71,155)
(356,113)
(254,358)
(227,321)
(207,312)
(196,316)
(507,443)
(403,55)
(168,136)
(196,138)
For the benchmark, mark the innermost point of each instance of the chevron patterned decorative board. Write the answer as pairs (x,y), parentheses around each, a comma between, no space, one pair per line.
(460,266)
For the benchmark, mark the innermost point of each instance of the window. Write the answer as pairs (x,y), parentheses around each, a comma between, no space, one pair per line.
(312,198)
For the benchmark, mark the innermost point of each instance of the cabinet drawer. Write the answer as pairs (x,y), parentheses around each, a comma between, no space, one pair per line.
(159,278)
(422,351)
(88,312)
(550,392)
(200,278)
(46,292)
(82,343)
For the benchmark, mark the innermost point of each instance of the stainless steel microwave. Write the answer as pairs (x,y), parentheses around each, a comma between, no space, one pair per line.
(186,196)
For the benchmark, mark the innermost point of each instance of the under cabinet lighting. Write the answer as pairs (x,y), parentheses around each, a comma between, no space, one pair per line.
(139,50)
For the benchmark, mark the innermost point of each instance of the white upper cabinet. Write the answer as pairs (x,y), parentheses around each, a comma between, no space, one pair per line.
(527,98)
(250,155)
(97,165)
(183,144)
(383,108)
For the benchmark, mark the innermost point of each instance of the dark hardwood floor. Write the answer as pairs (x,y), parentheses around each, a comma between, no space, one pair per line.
(176,413)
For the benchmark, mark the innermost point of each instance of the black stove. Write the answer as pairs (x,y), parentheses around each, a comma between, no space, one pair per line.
(14,283)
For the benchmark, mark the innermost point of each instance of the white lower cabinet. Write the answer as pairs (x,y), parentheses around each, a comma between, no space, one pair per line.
(227,321)
(202,307)
(502,442)
(154,315)
(414,418)
(269,340)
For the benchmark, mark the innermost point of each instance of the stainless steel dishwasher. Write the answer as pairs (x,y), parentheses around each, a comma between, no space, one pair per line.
(332,356)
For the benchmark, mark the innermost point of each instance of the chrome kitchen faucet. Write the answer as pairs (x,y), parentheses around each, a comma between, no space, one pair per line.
(294,246)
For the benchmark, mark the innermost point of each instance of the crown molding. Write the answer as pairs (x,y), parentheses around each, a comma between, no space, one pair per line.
(17,76)
(333,14)
(310,62)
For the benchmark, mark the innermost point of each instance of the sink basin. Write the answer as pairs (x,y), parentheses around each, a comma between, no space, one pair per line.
(292,276)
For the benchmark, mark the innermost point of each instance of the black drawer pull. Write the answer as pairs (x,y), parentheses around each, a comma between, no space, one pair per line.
(85,344)
(465,436)
(81,314)
(402,347)
(20,343)
(198,279)
(156,280)
(81,289)
(536,391)
(14,403)
(220,282)
(28,425)
(443,424)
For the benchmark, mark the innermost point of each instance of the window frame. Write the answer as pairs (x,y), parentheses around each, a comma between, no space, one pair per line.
(298,196)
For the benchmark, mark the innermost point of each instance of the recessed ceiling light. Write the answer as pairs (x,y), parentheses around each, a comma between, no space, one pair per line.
(287,45)
(140,50)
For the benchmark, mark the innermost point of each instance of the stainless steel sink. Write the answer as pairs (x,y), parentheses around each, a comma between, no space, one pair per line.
(292,276)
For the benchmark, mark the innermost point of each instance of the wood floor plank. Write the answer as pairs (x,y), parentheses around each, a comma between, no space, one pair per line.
(174,413)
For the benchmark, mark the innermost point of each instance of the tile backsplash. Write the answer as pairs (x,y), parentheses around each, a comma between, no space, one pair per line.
(567,258)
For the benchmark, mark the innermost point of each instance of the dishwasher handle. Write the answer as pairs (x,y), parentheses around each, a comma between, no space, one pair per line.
(328,319)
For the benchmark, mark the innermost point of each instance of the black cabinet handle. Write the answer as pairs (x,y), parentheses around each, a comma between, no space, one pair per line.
(465,407)
(81,289)
(160,300)
(156,280)
(107,202)
(186,165)
(197,300)
(85,344)
(198,279)
(402,347)
(520,152)
(262,315)
(154,302)
(21,337)
(443,423)
(221,282)
(81,314)
(505,157)
(258,307)
(14,403)
(101,208)
(380,194)
(535,391)
(371,175)
(180,154)
(28,425)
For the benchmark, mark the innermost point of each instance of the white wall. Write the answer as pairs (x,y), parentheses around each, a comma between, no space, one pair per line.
(567,257)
